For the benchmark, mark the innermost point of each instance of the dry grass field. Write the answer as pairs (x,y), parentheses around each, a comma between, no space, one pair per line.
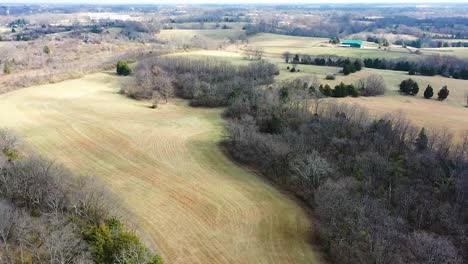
(461,53)
(178,189)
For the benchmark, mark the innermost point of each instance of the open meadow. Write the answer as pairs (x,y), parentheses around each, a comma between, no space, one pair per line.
(166,168)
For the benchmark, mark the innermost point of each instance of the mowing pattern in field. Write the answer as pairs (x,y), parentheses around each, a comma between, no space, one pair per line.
(178,189)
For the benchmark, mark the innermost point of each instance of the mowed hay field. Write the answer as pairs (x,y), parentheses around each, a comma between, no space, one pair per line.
(176,186)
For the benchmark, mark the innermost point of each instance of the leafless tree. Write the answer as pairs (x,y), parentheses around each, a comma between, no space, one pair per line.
(372,85)
(8,219)
(430,248)
(287,56)
(155,99)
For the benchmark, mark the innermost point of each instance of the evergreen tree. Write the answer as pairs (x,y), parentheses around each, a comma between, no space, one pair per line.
(123,68)
(443,93)
(422,140)
(352,90)
(340,90)
(409,87)
(415,89)
(326,90)
(357,65)
(348,68)
(429,92)
(284,94)
(296,58)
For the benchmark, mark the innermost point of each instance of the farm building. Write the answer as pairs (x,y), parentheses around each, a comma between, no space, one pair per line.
(351,43)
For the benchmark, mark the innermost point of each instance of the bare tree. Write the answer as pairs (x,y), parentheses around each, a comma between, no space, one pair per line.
(372,85)
(8,218)
(155,99)
(287,56)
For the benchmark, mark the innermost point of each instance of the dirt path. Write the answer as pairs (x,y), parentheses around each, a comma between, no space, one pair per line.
(180,192)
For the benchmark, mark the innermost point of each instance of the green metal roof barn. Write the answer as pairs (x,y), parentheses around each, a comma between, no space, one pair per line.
(352,43)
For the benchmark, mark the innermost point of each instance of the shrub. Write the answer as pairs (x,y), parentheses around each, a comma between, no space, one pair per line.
(123,68)
(443,93)
(330,77)
(7,68)
(46,50)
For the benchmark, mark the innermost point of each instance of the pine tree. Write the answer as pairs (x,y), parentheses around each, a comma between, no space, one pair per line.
(415,89)
(429,92)
(284,94)
(422,140)
(443,93)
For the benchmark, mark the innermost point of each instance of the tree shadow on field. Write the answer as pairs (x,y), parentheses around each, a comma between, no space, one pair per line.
(111,73)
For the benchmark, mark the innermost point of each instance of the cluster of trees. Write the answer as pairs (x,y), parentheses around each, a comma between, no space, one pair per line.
(340,90)
(351,66)
(382,41)
(48,215)
(383,190)
(411,87)
(335,61)
(206,82)
(373,85)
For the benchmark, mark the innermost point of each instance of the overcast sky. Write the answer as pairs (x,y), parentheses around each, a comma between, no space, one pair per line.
(227,1)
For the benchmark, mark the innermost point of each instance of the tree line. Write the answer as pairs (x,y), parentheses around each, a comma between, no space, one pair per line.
(446,66)
(48,215)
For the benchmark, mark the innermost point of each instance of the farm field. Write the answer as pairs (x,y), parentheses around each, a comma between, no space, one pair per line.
(461,53)
(216,34)
(209,25)
(276,45)
(450,114)
(167,170)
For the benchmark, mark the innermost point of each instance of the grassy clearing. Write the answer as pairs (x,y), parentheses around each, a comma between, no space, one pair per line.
(176,185)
